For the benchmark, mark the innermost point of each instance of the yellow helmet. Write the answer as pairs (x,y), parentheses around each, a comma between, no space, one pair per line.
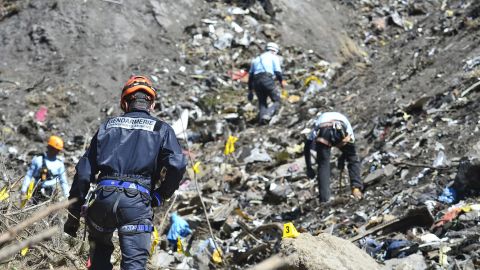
(55,142)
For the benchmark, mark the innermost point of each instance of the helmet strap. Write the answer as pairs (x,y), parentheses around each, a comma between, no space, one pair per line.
(138,101)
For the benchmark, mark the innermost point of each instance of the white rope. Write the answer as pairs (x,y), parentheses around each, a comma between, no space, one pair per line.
(195,180)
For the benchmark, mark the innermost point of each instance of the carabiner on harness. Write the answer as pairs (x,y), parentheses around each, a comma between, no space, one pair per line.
(88,201)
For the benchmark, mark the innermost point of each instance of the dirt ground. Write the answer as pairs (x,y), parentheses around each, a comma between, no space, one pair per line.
(88,48)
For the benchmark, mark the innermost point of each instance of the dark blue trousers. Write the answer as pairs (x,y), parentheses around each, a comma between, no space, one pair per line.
(264,86)
(113,210)
(323,175)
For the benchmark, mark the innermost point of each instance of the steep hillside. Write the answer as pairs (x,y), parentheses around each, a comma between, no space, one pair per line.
(405,72)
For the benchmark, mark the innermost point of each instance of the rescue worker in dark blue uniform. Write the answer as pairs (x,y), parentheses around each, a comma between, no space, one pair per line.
(131,153)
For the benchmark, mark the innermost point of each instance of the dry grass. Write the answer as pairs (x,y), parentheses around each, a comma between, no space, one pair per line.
(8,8)
(349,50)
(58,251)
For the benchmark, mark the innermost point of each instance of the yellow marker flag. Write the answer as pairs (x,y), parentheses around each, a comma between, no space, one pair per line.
(230,145)
(312,78)
(179,245)
(289,231)
(24,251)
(196,167)
(155,241)
(466,208)
(29,194)
(217,256)
(284,93)
(4,194)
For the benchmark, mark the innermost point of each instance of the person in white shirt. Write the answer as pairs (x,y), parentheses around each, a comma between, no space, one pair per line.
(332,129)
(261,79)
(47,171)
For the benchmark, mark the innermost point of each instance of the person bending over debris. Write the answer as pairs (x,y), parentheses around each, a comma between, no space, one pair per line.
(332,129)
(131,153)
(260,79)
(46,170)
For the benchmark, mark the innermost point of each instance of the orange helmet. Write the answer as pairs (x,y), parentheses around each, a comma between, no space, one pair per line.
(135,84)
(55,142)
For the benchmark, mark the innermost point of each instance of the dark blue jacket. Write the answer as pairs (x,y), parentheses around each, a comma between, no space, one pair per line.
(134,147)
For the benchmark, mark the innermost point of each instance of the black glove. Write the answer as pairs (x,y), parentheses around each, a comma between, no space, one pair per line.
(250,96)
(310,173)
(71,226)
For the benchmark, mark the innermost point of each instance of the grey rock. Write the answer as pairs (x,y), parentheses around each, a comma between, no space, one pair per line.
(412,262)
(374,176)
(258,155)
(162,259)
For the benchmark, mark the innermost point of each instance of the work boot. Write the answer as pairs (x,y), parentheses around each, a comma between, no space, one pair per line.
(264,121)
(266,118)
(357,193)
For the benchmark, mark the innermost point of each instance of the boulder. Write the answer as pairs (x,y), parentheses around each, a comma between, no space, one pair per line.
(324,252)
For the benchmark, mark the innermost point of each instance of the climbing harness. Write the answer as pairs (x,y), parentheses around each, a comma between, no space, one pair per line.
(118,186)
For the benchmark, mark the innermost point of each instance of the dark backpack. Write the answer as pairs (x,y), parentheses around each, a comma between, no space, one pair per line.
(45,172)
